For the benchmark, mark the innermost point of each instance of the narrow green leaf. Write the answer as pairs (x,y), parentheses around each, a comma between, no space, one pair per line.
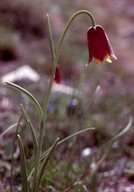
(12,159)
(79,132)
(107,146)
(50,38)
(30,96)
(44,163)
(64,140)
(32,131)
(23,165)
(93,172)
(8,129)
(38,155)
(60,142)
(75,134)
(122,132)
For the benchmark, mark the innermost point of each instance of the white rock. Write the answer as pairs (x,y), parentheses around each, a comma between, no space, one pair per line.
(22,73)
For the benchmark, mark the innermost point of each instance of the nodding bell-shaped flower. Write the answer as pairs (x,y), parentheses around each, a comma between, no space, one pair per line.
(99,46)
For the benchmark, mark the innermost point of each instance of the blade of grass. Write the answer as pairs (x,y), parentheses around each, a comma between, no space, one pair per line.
(8,129)
(79,132)
(113,139)
(30,96)
(86,173)
(32,131)
(59,143)
(93,173)
(44,112)
(66,139)
(44,163)
(12,159)
(50,37)
(41,116)
(120,133)
(75,134)
(38,154)
(23,165)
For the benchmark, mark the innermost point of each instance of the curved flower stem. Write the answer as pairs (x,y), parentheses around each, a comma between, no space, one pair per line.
(38,154)
(66,29)
(55,57)
(55,60)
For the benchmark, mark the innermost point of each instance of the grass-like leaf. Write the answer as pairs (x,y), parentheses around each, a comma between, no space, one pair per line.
(66,139)
(23,165)
(44,163)
(30,96)
(75,134)
(14,138)
(32,131)
(93,172)
(8,129)
(50,37)
(79,132)
(122,132)
(59,143)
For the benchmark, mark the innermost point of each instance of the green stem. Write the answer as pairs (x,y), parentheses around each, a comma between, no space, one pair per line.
(66,29)
(55,60)
(38,154)
(44,163)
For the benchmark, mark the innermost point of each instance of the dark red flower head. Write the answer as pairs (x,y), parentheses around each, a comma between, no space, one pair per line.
(57,78)
(99,46)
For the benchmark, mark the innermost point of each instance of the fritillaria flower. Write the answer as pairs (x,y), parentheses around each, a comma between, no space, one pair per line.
(99,46)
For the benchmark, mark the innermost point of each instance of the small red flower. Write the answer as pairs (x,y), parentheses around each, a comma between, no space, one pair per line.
(57,78)
(99,46)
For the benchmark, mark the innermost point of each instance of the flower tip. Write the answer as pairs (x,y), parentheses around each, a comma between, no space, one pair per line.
(115,57)
(108,60)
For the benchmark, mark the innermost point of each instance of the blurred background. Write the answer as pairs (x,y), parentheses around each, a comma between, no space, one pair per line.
(104,96)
